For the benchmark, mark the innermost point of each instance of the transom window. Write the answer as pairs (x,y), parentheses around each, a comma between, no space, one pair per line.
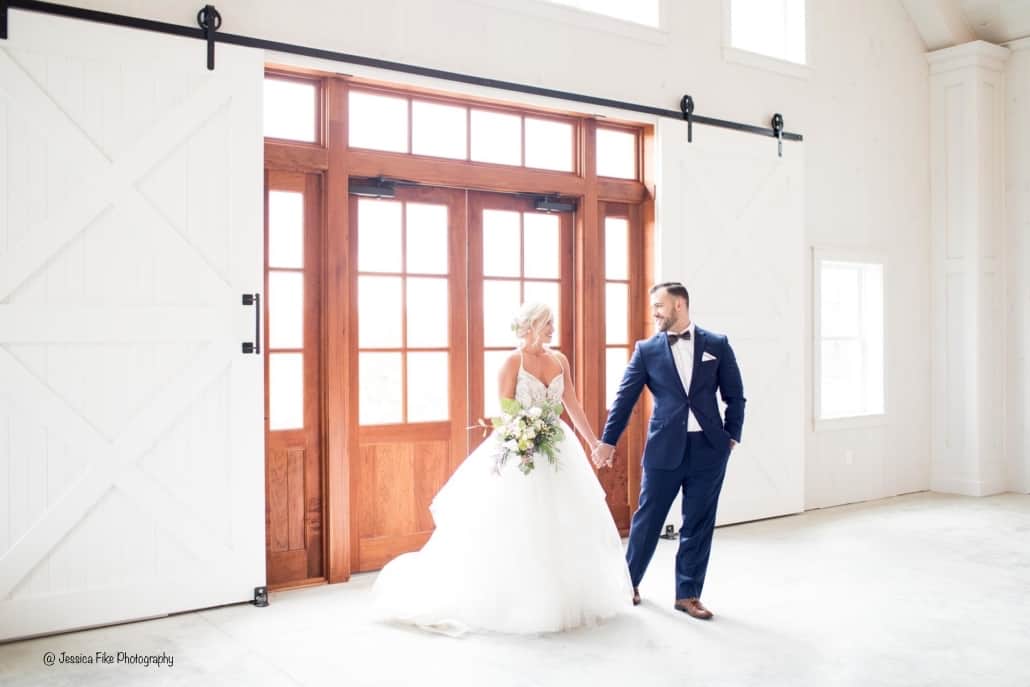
(399,124)
(617,153)
(396,122)
(291,108)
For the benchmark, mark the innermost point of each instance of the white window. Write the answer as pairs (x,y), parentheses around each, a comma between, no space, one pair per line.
(774,28)
(849,338)
(644,12)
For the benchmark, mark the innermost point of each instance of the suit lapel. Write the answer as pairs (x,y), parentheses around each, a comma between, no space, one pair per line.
(670,361)
(699,349)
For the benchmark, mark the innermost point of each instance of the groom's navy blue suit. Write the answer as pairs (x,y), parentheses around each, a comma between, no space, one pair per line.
(674,458)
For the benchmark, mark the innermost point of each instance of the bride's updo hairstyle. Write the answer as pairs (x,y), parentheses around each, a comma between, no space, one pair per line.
(531,319)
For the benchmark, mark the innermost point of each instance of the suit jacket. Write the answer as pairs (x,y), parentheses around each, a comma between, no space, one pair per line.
(652,365)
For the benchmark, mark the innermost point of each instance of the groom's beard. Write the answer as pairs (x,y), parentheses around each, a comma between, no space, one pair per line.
(664,324)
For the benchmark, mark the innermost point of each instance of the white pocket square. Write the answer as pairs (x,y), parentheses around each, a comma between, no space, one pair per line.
(706,356)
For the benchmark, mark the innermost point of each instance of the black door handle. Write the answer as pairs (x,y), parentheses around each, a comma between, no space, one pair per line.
(255,300)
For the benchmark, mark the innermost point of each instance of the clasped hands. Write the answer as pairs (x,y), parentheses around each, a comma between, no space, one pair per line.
(602,455)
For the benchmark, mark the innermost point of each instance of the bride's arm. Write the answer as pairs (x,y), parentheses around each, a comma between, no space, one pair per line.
(507,377)
(572,404)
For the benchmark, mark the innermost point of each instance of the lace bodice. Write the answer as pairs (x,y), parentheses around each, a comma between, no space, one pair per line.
(531,391)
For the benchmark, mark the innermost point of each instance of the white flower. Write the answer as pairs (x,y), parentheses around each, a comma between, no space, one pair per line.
(511,445)
(536,411)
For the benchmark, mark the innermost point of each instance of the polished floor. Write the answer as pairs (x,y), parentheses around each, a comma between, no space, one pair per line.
(924,589)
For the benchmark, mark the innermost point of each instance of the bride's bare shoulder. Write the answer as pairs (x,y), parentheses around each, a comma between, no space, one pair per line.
(511,363)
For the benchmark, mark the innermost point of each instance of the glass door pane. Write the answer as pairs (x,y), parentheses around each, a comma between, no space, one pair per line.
(516,255)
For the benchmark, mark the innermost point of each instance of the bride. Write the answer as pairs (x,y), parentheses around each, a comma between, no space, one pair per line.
(514,552)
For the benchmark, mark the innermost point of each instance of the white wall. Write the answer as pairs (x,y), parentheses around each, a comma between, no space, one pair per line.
(1017,202)
(868,189)
(863,109)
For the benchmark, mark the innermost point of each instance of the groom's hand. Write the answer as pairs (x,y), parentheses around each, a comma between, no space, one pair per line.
(603,455)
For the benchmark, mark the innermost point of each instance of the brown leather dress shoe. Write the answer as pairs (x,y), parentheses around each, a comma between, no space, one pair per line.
(694,608)
(636,596)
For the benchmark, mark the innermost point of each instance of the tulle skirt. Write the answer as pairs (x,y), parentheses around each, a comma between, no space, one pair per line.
(512,553)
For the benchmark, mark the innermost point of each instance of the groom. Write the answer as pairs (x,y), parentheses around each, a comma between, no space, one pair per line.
(688,443)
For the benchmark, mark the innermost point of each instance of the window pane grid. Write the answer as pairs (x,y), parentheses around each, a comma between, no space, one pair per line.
(284,277)
(393,122)
(618,331)
(400,405)
(544,237)
(500,275)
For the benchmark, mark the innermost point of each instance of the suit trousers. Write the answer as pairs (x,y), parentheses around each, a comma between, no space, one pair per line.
(700,475)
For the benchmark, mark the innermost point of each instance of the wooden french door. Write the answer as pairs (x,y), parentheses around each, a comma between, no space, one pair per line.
(293,418)
(409,257)
(440,274)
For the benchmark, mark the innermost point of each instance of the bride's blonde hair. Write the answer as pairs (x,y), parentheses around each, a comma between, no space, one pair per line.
(530,320)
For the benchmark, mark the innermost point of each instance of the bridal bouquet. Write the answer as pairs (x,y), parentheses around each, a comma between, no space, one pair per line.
(525,433)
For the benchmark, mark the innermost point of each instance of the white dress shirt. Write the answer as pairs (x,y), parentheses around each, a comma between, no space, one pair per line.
(683,355)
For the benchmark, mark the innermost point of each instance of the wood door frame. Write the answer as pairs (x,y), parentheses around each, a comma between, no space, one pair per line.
(338,163)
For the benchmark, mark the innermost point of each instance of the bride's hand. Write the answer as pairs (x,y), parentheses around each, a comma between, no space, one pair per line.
(603,455)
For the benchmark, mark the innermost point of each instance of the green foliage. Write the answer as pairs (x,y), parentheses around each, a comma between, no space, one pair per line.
(524,433)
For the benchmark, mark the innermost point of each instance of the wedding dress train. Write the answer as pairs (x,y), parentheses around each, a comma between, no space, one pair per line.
(513,553)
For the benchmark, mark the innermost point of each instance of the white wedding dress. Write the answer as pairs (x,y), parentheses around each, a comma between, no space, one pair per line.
(513,553)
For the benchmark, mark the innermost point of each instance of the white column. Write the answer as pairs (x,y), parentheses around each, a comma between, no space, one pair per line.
(1017,201)
(967,137)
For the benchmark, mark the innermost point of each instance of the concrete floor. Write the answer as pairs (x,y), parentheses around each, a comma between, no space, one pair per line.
(924,589)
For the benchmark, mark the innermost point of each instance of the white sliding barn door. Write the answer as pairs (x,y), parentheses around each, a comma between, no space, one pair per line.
(732,227)
(131,425)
